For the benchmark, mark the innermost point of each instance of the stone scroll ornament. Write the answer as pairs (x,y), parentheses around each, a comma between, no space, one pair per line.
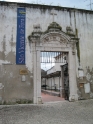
(20,43)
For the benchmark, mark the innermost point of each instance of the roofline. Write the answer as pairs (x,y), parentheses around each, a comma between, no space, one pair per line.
(6,3)
(50,68)
(54,74)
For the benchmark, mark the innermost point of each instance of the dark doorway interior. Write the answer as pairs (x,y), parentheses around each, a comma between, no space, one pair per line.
(65,77)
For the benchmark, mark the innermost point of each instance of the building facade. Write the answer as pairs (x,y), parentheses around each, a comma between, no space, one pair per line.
(28,29)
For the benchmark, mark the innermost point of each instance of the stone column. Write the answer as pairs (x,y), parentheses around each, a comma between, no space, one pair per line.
(38,78)
(34,75)
(62,77)
(72,77)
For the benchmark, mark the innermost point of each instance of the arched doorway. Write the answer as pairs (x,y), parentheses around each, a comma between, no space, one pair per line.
(54,39)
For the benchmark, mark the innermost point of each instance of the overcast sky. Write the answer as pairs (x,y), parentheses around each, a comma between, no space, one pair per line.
(82,4)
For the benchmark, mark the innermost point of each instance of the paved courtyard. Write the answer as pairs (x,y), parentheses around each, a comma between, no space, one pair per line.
(49,98)
(63,112)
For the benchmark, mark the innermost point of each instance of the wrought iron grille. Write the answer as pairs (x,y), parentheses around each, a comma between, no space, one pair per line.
(53,57)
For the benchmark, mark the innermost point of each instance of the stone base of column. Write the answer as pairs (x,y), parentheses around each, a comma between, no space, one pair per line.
(73,97)
(34,100)
(37,100)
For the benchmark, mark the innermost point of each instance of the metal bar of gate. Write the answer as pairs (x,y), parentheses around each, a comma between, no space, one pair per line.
(56,57)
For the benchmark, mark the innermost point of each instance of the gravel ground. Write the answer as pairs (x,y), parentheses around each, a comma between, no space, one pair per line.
(64,112)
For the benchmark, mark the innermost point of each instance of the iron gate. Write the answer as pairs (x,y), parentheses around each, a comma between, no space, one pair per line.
(53,57)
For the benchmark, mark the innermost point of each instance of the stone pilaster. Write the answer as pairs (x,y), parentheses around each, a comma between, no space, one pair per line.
(38,78)
(72,77)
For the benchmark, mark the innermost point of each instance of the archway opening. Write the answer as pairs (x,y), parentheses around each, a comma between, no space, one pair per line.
(54,76)
(54,39)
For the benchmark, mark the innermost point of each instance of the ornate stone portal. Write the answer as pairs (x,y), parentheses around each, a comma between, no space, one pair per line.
(53,39)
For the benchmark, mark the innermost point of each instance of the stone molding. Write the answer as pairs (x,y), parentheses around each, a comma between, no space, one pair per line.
(54,34)
(54,38)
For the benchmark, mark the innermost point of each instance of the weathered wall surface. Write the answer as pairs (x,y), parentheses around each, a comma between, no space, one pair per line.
(11,85)
(15,87)
(77,19)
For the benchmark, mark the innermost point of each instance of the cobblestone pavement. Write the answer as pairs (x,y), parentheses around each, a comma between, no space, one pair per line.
(64,112)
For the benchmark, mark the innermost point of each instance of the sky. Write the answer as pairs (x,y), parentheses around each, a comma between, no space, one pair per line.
(81,4)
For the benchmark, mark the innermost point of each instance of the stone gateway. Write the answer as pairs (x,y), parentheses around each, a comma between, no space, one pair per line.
(45,28)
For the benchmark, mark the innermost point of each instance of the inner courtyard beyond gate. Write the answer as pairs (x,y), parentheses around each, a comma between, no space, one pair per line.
(54,76)
(54,40)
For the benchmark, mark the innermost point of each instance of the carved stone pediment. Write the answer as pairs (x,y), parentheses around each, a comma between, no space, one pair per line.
(51,38)
(55,37)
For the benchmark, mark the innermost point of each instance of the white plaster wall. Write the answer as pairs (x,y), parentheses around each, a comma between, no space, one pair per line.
(51,70)
(56,81)
(85,33)
(52,81)
(82,20)
(55,68)
(8,24)
(49,83)
(84,24)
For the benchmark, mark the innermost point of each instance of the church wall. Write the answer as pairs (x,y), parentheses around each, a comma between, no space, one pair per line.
(84,25)
(10,79)
(14,86)
(80,20)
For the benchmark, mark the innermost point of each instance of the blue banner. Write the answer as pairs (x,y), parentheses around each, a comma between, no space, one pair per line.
(20,44)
